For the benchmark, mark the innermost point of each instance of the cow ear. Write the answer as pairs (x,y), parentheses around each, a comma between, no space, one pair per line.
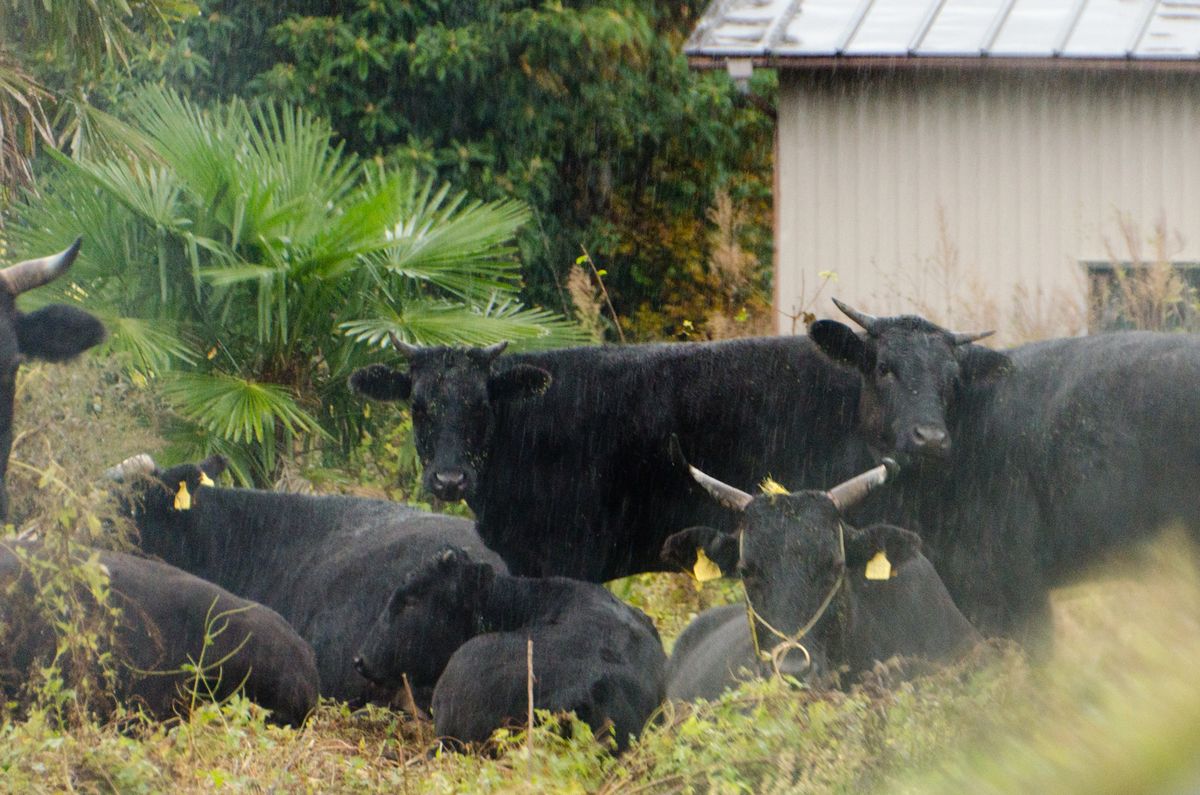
(842,344)
(879,550)
(380,382)
(979,364)
(181,484)
(704,552)
(58,332)
(518,381)
(211,468)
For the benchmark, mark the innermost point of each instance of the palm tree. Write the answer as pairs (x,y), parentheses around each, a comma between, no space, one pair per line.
(67,39)
(250,264)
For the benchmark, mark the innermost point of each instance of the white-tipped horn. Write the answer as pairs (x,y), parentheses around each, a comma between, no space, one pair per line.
(861,318)
(850,493)
(723,493)
(140,464)
(492,351)
(970,336)
(402,348)
(16,279)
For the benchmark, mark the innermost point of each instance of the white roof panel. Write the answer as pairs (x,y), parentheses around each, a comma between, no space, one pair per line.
(961,28)
(1091,29)
(1033,27)
(888,27)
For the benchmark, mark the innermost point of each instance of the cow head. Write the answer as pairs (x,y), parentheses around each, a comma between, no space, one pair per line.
(54,333)
(434,611)
(912,373)
(164,503)
(792,549)
(454,394)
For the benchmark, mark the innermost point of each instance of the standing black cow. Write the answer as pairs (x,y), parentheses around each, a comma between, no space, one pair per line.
(1026,465)
(563,454)
(820,594)
(54,333)
(326,563)
(165,616)
(465,627)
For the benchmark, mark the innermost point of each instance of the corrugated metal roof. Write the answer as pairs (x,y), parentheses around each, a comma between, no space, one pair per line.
(1083,29)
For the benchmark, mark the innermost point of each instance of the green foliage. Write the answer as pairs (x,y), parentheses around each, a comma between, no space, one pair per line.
(584,110)
(48,51)
(253,254)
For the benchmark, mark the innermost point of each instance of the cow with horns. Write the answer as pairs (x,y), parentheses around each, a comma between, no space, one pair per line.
(563,454)
(54,333)
(821,596)
(1021,467)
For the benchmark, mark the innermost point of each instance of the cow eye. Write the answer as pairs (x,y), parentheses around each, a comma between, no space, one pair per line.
(883,370)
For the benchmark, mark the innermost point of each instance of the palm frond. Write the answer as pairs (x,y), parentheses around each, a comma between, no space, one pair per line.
(443,323)
(153,346)
(236,409)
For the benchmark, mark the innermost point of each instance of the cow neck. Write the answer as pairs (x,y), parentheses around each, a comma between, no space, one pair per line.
(514,602)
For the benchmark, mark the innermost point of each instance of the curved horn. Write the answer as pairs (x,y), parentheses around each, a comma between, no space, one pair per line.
(492,351)
(850,493)
(140,464)
(723,493)
(970,336)
(16,279)
(403,348)
(861,318)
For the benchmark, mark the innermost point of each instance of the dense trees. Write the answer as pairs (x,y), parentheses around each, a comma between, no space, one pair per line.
(584,110)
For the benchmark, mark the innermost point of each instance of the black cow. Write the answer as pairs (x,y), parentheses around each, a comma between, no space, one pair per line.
(54,333)
(1027,464)
(326,563)
(820,595)
(563,454)
(465,626)
(165,615)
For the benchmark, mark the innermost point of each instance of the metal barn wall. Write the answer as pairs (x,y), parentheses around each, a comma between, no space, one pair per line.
(973,196)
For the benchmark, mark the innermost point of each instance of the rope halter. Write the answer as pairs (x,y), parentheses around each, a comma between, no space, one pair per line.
(778,654)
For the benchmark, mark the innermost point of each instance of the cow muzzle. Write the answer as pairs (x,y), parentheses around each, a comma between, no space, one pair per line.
(925,441)
(448,484)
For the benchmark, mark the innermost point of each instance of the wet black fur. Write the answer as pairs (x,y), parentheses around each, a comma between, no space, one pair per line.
(464,626)
(326,563)
(164,615)
(573,477)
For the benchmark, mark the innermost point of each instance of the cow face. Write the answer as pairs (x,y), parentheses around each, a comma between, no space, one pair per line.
(433,612)
(454,394)
(790,552)
(912,373)
(54,333)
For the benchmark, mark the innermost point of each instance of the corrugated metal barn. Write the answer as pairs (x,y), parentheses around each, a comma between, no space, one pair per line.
(977,161)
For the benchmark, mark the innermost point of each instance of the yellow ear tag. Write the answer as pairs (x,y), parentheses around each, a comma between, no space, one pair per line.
(879,567)
(705,569)
(183,499)
(205,480)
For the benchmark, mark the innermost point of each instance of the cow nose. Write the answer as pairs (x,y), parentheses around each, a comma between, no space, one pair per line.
(450,477)
(930,438)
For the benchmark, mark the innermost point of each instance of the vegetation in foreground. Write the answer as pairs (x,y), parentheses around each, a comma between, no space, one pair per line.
(1113,711)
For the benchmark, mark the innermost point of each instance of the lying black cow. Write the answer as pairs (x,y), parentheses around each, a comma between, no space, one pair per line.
(465,626)
(326,563)
(54,333)
(563,454)
(822,595)
(165,615)
(1026,465)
